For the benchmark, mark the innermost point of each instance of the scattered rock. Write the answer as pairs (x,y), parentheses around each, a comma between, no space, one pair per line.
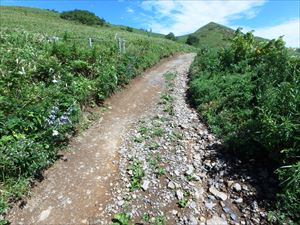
(193,220)
(218,194)
(202,219)
(245,187)
(145,185)
(210,205)
(190,170)
(234,217)
(44,214)
(189,154)
(121,202)
(239,200)
(237,187)
(216,220)
(179,194)
(229,183)
(174,212)
(171,185)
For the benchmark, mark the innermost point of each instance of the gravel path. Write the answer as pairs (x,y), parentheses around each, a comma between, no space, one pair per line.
(170,173)
(75,189)
(149,160)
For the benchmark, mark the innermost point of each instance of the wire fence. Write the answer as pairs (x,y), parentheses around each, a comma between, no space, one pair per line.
(120,42)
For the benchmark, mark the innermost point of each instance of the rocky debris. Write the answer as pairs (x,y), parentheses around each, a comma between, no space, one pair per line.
(178,171)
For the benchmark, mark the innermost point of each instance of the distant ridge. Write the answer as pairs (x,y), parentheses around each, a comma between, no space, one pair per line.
(213,35)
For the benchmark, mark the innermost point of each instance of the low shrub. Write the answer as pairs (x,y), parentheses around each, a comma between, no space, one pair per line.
(171,36)
(249,94)
(192,40)
(82,16)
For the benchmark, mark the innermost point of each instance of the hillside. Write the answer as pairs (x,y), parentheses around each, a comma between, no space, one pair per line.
(52,69)
(45,21)
(213,35)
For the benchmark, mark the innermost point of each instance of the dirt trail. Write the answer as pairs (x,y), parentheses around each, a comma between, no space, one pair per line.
(75,190)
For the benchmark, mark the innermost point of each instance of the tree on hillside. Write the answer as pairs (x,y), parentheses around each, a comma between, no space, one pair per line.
(171,36)
(129,29)
(192,40)
(82,16)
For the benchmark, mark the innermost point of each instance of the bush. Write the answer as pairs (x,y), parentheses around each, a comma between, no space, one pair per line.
(249,93)
(192,40)
(82,16)
(171,36)
(129,29)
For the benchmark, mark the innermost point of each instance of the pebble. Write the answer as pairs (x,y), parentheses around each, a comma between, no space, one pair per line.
(171,185)
(179,194)
(218,194)
(120,203)
(216,220)
(233,217)
(239,200)
(190,170)
(210,205)
(145,185)
(193,220)
(229,183)
(237,187)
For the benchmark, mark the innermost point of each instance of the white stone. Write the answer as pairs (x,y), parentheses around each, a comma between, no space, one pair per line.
(218,194)
(237,187)
(215,220)
(44,215)
(145,185)
(171,185)
(239,200)
(179,194)
(190,170)
(120,203)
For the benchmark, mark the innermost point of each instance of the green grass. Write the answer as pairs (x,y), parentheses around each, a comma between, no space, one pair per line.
(50,23)
(44,84)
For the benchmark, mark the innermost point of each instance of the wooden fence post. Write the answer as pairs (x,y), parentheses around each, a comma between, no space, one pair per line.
(90,42)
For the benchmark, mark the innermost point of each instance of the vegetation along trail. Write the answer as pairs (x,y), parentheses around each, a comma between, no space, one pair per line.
(76,189)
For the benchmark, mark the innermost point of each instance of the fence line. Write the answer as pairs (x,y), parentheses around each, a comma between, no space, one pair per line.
(121,43)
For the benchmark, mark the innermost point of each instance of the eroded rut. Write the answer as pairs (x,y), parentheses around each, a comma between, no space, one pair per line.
(75,190)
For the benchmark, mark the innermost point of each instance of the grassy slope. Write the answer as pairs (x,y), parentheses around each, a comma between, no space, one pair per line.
(28,69)
(213,35)
(49,22)
(139,31)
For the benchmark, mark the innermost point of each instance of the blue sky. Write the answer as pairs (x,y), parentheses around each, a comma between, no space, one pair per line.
(269,18)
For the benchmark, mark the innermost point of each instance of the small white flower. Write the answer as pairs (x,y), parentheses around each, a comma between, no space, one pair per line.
(22,72)
(54,81)
(55,133)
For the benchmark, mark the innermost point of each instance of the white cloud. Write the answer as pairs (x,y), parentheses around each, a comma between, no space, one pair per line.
(289,29)
(183,17)
(129,10)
